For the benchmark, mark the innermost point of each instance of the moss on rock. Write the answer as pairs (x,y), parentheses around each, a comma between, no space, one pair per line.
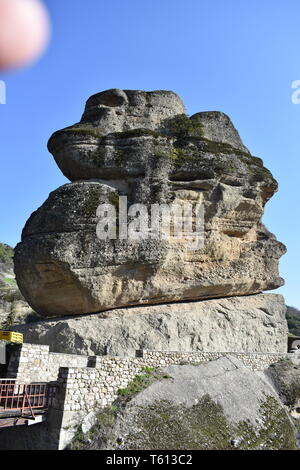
(182,126)
(204,426)
(84,131)
(91,203)
(141,132)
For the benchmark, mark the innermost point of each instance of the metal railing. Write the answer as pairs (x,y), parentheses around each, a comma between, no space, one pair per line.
(16,397)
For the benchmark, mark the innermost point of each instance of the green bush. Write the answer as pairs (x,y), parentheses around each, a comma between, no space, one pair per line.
(6,254)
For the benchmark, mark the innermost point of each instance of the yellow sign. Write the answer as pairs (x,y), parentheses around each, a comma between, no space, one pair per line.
(11,336)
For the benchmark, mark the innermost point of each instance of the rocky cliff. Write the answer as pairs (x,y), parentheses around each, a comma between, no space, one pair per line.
(142,146)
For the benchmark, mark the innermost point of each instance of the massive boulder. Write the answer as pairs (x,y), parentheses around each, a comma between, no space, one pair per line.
(254,323)
(141,145)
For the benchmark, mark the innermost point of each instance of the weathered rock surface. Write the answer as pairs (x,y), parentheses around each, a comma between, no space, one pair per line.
(140,145)
(221,405)
(286,378)
(79,149)
(241,324)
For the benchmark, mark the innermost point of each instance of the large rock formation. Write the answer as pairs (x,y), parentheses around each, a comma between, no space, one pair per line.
(142,145)
(254,323)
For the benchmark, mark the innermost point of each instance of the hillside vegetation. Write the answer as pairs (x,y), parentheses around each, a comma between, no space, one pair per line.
(13,307)
(6,254)
(293,319)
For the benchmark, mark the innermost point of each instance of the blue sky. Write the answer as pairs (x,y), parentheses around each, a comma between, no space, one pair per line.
(239,57)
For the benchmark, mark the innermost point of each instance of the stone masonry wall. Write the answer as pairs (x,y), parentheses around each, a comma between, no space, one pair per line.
(88,388)
(255,361)
(34,363)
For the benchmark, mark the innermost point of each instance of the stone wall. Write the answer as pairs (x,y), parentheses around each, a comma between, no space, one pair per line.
(255,361)
(86,388)
(34,363)
(85,382)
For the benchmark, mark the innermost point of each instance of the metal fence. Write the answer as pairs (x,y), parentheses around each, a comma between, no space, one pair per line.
(16,397)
